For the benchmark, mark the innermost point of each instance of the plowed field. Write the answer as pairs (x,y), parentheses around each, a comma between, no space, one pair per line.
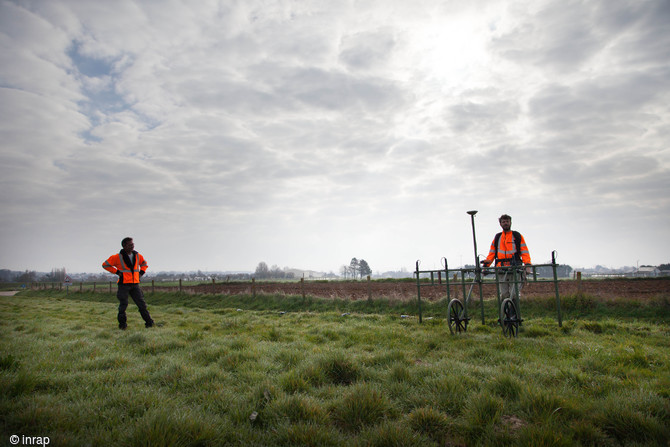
(638,289)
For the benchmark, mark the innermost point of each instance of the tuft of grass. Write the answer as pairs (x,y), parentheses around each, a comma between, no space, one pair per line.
(585,432)
(483,409)
(107,363)
(541,405)
(536,331)
(293,382)
(430,422)
(339,370)
(400,373)
(505,386)
(480,416)
(624,420)
(308,434)
(361,406)
(298,408)
(8,363)
(24,383)
(136,339)
(390,434)
(548,435)
(169,428)
(450,393)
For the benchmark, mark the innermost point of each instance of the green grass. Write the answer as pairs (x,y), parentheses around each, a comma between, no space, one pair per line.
(281,370)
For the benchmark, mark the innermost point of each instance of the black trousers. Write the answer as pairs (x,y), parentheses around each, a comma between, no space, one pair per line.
(138,297)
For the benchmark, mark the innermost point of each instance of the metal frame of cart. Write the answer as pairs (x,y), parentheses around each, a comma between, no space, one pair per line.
(509,307)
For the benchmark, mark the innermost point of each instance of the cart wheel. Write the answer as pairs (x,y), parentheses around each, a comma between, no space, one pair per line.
(509,318)
(456,314)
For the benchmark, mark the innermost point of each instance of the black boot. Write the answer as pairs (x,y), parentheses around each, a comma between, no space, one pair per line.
(122,321)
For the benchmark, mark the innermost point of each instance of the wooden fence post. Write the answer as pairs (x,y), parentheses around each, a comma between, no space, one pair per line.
(579,282)
(253,287)
(302,287)
(369,289)
(180,284)
(152,286)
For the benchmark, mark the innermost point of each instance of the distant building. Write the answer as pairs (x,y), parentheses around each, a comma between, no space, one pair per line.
(647,271)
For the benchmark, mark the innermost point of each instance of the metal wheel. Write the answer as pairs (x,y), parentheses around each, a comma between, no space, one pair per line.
(509,318)
(456,315)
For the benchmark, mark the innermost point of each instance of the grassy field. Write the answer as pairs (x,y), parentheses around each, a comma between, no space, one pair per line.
(282,370)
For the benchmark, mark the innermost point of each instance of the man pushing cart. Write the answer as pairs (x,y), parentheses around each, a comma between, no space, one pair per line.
(512,267)
(509,249)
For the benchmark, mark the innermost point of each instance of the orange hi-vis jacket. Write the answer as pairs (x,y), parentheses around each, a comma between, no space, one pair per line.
(506,249)
(120,262)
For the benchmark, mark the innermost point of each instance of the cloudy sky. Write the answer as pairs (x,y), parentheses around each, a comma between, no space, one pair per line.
(301,133)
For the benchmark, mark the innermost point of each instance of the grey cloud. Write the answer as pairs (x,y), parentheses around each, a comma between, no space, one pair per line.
(490,117)
(410,149)
(583,114)
(332,90)
(232,97)
(641,32)
(560,36)
(597,180)
(367,50)
(31,123)
(567,36)
(624,166)
(502,167)
(630,178)
(600,95)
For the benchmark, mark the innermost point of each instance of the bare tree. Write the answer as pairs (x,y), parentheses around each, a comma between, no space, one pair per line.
(353,267)
(262,270)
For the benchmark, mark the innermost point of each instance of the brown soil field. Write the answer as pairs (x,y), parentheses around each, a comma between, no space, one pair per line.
(636,289)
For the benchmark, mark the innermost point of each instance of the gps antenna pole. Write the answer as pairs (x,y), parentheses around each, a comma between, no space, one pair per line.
(474,238)
(478,273)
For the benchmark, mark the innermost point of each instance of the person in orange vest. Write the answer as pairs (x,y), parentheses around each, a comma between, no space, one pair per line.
(129,265)
(508,249)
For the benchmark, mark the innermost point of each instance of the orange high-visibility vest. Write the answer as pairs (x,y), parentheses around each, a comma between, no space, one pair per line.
(130,274)
(506,249)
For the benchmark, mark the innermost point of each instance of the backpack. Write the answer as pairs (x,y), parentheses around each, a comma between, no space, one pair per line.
(516,260)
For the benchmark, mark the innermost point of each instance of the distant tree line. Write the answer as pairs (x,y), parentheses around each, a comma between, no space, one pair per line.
(357,269)
(274,272)
(56,275)
(10,276)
